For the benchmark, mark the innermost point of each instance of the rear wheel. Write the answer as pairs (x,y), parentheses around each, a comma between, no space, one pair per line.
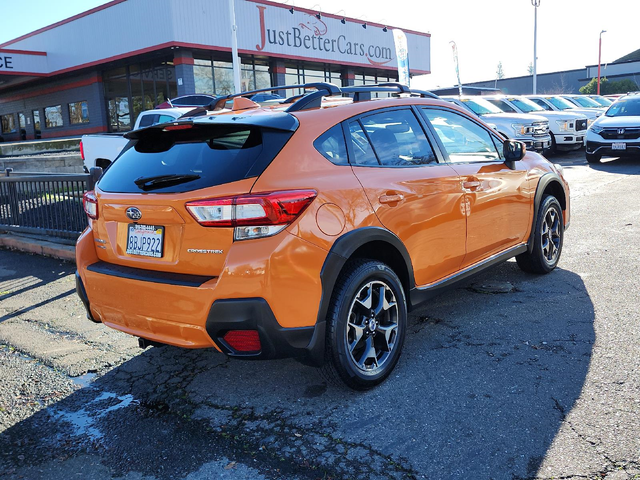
(365,326)
(547,240)
(593,158)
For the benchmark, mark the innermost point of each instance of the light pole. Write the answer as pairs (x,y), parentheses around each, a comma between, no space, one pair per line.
(237,85)
(455,60)
(536,4)
(600,58)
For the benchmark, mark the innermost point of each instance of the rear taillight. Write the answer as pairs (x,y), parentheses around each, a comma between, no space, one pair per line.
(90,204)
(243,340)
(81,150)
(252,216)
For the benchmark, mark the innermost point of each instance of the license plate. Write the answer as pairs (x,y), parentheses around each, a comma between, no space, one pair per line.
(618,146)
(145,240)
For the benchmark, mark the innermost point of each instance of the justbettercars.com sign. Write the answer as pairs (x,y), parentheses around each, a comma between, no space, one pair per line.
(273,30)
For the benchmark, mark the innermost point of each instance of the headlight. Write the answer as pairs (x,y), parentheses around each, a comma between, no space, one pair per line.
(522,129)
(565,125)
(596,129)
(590,121)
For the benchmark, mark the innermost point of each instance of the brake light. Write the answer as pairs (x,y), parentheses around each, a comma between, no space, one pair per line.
(81,150)
(90,204)
(177,126)
(243,340)
(252,216)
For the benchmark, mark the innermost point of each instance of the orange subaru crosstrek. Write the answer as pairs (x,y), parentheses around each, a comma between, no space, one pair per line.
(310,229)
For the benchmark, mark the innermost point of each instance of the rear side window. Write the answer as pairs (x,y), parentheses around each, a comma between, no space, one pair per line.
(148,120)
(199,157)
(398,139)
(332,146)
(362,150)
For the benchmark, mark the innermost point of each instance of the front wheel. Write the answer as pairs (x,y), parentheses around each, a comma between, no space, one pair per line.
(547,241)
(365,326)
(593,158)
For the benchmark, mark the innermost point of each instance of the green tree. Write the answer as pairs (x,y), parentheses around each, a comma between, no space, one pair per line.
(607,87)
(530,68)
(500,71)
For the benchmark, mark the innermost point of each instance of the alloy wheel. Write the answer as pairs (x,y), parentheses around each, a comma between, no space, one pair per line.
(372,326)
(550,234)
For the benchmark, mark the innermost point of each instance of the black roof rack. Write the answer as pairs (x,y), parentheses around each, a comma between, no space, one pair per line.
(313,99)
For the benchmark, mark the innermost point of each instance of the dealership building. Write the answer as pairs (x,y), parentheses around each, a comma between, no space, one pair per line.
(96,71)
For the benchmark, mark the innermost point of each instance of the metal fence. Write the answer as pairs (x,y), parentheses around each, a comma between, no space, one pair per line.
(45,204)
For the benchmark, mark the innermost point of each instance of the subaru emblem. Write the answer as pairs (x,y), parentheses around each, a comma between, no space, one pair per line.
(134,213)
(621,131)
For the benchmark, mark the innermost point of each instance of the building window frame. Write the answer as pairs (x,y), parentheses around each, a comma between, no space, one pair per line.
(47,122)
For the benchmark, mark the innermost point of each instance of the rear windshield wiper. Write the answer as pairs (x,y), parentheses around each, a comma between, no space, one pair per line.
(159,181)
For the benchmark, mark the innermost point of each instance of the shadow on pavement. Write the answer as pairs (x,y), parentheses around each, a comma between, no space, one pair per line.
(482,388)
(626,166)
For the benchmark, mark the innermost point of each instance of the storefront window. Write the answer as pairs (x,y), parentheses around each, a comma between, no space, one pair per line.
(8,123)
(53,116)
(79,112)
(22,121)
(203,76)
(223,77)
(36,122)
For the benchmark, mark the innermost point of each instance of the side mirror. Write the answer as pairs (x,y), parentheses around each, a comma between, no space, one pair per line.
(513,151)
(94,175)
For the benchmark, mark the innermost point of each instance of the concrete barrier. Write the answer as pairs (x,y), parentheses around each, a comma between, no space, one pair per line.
(56,163)
(39,146)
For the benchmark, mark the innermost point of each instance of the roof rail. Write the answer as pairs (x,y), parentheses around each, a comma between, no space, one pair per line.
(313,99)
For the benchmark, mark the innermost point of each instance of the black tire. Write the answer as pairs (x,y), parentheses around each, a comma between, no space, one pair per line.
(593,158)
(548,238)
(364,361)
(554,146)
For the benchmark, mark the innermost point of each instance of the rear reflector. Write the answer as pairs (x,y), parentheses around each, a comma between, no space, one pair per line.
(243,340)
(90,204)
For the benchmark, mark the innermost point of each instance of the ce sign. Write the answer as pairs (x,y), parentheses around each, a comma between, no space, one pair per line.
(6,62)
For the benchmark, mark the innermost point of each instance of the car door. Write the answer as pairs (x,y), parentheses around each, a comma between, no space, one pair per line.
(414,194)
(497,197)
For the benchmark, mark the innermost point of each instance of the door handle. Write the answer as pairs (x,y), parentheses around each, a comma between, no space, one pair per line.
(393,198)
(470,185)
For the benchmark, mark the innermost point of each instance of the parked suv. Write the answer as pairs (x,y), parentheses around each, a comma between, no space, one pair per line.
(559,104)
(532,130)
(568,129)
(617,132)
(310,229)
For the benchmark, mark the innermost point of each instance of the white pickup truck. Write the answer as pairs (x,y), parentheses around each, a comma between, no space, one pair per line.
(101,149)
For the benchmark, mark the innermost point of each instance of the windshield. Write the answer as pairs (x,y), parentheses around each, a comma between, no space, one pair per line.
(585,102)
(625,108)
(480,106)
(560,103)
(605,102)
(525,105)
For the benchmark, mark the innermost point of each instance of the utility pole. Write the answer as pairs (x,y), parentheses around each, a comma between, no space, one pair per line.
(455,59)
(600,58)
(536,4)
(234,48)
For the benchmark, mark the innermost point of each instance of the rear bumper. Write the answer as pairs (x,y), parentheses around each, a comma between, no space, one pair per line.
(194,311)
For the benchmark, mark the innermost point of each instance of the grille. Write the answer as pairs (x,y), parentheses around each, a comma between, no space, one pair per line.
(581,125)
(540,129)
(612,133)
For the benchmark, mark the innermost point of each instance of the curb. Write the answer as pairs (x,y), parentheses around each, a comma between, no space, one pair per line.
(39,247)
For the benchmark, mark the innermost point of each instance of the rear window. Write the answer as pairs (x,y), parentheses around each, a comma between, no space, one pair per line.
(201,156)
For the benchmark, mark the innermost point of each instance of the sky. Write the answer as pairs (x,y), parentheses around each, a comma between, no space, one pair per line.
(486,32)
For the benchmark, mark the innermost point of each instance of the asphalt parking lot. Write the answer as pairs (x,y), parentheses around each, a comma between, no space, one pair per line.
(539,382)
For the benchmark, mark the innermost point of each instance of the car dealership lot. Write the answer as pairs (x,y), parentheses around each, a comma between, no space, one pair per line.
(541,381)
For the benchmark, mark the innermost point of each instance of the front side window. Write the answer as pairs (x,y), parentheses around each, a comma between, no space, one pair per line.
(398,139)
(541,103)
(53,116)
(503,106)
(464,140)
(8,123)
(332,146)
(79,112)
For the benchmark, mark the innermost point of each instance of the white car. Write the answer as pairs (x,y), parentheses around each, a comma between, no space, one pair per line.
(617,132)
(101,149)
(568,129)
(532,130)
(558,104)
(583,101)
